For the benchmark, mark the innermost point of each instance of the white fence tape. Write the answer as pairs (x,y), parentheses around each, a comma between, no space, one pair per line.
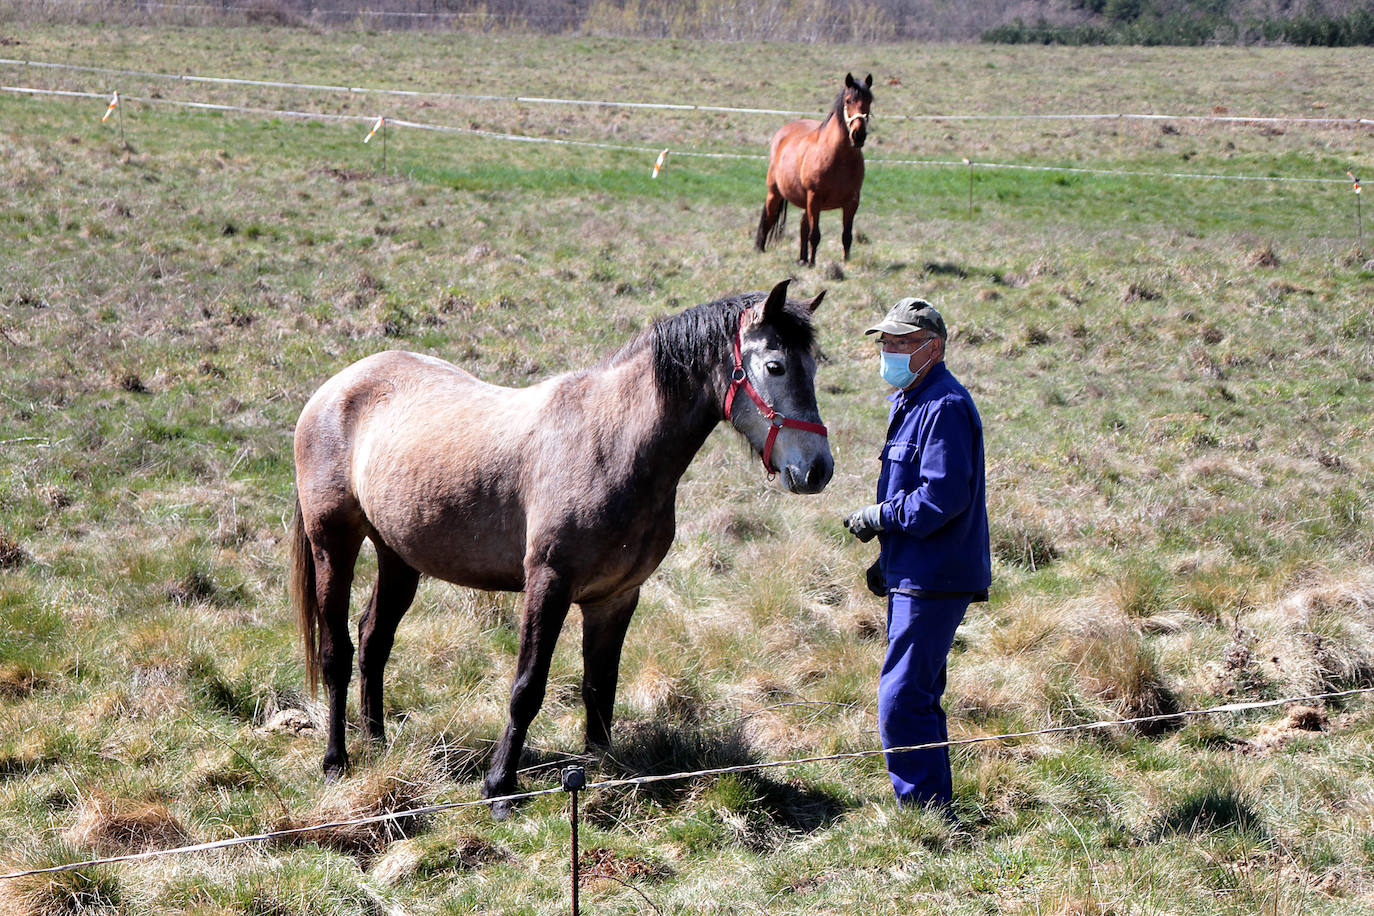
(656,150)
(670,106)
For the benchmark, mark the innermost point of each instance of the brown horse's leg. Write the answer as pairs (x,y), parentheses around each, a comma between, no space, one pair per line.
(848,235)
(391,598)
(603,635)
(805,233)
(547,597)
(813,216)
(334,559)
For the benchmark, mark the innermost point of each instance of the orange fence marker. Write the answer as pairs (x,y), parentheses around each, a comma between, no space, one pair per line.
(662,157)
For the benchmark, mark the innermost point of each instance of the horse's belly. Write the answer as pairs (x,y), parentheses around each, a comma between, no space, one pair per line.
(452,536)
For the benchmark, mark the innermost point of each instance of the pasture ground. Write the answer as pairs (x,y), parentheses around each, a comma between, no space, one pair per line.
(1175,377)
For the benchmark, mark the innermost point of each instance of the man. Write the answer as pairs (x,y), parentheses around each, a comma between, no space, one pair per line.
(931,522)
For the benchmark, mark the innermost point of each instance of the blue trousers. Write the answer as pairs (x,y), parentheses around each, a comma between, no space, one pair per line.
(920,632)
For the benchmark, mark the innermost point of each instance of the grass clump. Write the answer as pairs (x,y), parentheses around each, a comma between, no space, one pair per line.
(94,889)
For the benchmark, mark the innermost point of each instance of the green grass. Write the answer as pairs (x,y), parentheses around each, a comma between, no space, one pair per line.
(1175,381)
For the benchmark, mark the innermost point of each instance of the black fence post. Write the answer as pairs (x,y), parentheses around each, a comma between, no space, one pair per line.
(574,778)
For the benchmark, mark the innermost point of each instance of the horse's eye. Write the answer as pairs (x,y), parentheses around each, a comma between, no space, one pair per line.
(774,367)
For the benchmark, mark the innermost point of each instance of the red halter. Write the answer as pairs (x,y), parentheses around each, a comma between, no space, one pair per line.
(740,379)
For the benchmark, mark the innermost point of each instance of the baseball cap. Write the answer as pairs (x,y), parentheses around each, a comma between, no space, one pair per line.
(910,315)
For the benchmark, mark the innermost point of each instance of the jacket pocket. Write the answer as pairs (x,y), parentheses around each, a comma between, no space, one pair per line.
(903,452)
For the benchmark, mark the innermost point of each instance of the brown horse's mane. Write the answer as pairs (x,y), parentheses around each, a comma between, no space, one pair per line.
(689,345)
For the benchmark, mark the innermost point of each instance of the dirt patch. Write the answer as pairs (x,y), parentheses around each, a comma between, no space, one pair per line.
(1300,722)
(609,864)
(293,721)
(344,175)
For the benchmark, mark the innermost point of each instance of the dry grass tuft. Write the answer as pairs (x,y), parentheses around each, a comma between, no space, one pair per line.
(673,695)
(1322,635)
(380,791)
(1263,257)
(1113,664)
(67,893)
(19,680)
(12,555)
(116,826)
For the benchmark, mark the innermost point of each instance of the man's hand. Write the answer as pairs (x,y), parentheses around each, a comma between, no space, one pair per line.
(874,579)
(865,523)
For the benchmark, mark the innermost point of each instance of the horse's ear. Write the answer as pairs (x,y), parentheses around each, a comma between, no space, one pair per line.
(868,81)
(776,300)
(815,303)
(849,80)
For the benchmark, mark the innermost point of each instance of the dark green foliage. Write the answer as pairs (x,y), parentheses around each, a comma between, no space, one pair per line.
(1209,809)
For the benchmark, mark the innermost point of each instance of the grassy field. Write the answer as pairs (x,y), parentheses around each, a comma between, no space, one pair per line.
(1174,374)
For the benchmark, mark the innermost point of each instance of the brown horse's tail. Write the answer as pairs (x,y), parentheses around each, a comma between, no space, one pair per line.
(767,233)
(303,598)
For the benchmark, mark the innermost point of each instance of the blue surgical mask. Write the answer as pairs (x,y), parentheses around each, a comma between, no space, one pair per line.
(896,367)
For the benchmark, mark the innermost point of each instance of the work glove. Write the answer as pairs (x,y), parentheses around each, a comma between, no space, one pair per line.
(875,580)
(865,523)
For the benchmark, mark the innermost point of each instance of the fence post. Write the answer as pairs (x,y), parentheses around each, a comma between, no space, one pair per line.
(573,779)
(1359,215)
(969,162)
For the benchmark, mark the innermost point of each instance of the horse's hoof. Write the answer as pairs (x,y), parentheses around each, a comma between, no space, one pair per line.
(502,810)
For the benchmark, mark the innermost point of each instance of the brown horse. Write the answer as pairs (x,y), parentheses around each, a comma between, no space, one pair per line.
(817,165)
(564,490)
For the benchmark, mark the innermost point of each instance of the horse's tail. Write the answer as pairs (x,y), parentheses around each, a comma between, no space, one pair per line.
(776,232)
(767,233)
(303,598)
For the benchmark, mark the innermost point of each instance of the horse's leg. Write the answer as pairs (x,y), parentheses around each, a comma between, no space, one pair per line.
(334,559)
(547,597)
(805,233)
(813,216)
(772,206)
(603,634)
(391,598)
(848,236)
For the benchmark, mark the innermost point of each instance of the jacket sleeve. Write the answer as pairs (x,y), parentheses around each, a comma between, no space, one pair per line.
(945,476)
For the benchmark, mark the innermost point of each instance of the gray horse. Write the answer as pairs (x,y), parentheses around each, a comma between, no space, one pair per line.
(564,490)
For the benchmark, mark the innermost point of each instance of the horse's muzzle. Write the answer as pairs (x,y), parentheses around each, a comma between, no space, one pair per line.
(809,479)
(858,137)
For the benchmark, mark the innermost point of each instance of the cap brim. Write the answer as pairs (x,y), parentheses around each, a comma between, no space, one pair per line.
(889,326)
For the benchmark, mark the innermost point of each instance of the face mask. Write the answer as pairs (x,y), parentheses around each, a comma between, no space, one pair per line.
(896,367)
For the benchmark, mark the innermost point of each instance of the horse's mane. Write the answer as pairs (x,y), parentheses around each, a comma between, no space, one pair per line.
(688,346)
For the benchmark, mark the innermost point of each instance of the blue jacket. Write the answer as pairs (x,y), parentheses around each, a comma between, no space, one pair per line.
(934,507)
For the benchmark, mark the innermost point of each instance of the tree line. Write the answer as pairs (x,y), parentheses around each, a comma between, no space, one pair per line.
(1332,23)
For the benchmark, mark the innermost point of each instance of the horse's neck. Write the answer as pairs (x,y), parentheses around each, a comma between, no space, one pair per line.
(661,430)
(833,132)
